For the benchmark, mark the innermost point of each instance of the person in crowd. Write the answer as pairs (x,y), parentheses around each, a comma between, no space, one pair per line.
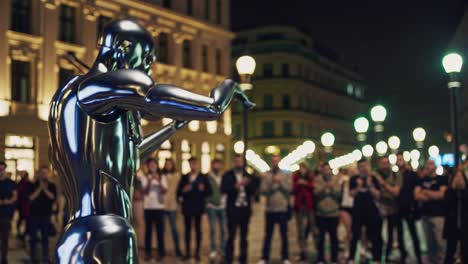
(215,206)
(23,203)
(407,207)
(8,197)
(240,188)
(172,177)
(430,193)
(328,192)
(154,187)
(43,195)
(303,191)
(366,191)
(346,207)
(276,186)
(192,190)
(455,228)
(138,218)
(390,184)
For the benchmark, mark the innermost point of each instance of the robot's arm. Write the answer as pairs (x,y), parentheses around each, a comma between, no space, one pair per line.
(154,140)
(133,90)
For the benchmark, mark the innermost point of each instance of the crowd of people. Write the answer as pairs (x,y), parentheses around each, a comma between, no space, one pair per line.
(358,198)
(34,202)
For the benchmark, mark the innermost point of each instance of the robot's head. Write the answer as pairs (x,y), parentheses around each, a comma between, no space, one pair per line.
(127,45)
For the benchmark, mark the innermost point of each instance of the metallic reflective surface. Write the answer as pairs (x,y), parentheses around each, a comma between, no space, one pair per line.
(96,140)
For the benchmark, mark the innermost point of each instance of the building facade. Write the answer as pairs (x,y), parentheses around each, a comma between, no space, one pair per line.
(193,46)
(300,93)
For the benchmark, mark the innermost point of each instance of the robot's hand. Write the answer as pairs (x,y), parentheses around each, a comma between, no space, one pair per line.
(244,99)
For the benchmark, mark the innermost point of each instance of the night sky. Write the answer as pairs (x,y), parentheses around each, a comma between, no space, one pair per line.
(396,45)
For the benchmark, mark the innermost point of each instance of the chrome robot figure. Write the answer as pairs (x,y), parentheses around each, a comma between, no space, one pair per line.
(96,140)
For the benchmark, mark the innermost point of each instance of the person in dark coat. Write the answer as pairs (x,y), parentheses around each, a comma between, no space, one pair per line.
(240,188)
(455,228)
(192,191)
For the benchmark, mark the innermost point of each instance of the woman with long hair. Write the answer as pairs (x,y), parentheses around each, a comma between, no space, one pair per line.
(172,177)
(155,187)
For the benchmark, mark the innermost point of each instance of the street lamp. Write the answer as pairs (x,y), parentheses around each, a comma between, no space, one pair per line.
(361,125)
(394,143)
(452,64)
(378,115)
(327,140)
(381,148)
(245,67)
(419,135)
(367,151)
(433,151)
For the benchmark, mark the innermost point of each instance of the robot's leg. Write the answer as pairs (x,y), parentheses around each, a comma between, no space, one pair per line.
(97,239)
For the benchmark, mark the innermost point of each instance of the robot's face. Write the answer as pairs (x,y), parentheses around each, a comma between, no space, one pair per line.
(137,56)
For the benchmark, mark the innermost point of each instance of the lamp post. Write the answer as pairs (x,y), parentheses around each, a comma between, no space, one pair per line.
(245,67)
(378,115)
(452,64)
(361,125)
(328,139)
(394,143)
(419,135)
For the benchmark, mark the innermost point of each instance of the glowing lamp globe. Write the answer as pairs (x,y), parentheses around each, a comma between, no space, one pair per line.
(394,142)
(378,113)
(415,155)
(452,63)
(367,151)
(327,139)
(419,134)
(239,147)
(245,65)
(433,151)
(381,147)
(361,125)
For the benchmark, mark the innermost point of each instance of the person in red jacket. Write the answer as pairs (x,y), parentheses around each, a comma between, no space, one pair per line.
(303,191)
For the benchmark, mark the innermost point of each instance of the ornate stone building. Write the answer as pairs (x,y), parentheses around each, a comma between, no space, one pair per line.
(193,49)
(301,91)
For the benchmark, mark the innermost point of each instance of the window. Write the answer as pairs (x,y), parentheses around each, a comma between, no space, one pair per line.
(21,16)
(21,81)
(268,129)
(205,58)
(299,70)
(359,93)
(218,11)
(270,36)
(267,101)
(67,23)
(300,105)
(302,129)
(287,128)
(187,54)
(267,70)
(19,154)
(286,101)
(64,76)
(285,70)
(207,9)
(240,41)
(102,22)
(218,61)
(167,3)
(163,52)
(189,7)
